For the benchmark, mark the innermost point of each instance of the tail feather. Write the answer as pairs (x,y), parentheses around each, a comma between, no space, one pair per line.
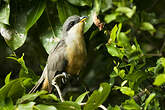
(39,82)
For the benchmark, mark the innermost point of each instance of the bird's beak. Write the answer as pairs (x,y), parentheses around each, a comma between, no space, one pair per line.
(83,18)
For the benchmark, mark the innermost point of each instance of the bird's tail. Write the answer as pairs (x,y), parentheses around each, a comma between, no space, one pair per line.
(39,82)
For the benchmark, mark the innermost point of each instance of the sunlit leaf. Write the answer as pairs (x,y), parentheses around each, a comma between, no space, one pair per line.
(146,26)
(81,97)
(160,79)
(28,106)
(130,105)
(67,105)
(114,51)
(121,73)
(45,107)
(98,97)
(127,11)
(7,79)
(30,97)
(13,38)
(128,91)
(49,97)
(123,40)
(110,17)
(113,33)
(148,100)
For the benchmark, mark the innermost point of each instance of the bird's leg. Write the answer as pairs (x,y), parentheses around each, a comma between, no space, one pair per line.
(54,83)
(66,76)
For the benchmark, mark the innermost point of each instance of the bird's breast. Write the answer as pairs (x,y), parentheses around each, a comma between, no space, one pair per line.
(76,55)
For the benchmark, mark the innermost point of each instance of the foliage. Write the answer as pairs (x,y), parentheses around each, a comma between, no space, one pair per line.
(125,59)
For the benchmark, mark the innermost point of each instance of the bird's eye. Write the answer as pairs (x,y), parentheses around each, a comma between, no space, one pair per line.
(71,24)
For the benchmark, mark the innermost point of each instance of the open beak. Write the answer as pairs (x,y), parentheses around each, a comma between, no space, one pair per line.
(83,18)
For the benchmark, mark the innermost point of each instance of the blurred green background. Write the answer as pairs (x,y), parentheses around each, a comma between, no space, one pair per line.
(127,54)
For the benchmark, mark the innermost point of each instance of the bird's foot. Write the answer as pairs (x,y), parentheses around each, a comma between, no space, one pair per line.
(55,84)
(66,76)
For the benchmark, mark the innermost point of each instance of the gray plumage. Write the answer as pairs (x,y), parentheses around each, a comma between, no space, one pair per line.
(68,56)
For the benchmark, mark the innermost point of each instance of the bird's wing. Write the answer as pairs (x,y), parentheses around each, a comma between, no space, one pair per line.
(56,60)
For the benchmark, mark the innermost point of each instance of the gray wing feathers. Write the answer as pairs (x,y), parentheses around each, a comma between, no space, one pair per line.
(56,60)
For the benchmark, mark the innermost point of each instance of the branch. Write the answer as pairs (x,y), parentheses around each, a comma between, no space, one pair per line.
(140,94)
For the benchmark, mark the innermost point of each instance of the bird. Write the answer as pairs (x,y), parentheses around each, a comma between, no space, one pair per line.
(68,56)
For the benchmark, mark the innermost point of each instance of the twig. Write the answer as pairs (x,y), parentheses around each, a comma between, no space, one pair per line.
(140,94)
(153,54)
(101,106)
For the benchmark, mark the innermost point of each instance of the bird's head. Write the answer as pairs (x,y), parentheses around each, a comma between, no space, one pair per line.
(73,25)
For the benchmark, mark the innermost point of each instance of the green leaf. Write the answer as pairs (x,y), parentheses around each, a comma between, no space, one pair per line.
(90,13)
(65,10)
(81,97)
(45,107)
(127,91)
(21,18)
(130,105)
(127,11)
(119,29)
(148,100)
(67,105)
(28,106)
(50,30)
(12,89)
(49,97)
(110,17)
(35,13)
(122,40)
(49,40)
(13,38)
(146,26)
(114,51)
(106,5)
(81,2)
(30,97)
(98,97)
(6,104)
(4,12)
(160,79)
(7,79)
(114,108)
(160,63)
(121,73)
(113,33)
(22,63)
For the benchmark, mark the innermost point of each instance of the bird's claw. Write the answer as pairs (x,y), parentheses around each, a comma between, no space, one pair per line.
(66,76)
